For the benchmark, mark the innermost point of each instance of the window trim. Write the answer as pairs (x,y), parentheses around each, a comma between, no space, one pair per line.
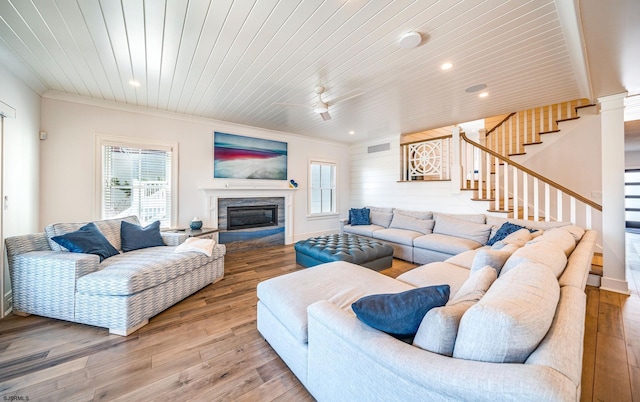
(101,140)
(322,215)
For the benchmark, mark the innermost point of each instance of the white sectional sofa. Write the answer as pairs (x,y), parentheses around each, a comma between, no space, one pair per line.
(512,329)
(424,236)
(120,292)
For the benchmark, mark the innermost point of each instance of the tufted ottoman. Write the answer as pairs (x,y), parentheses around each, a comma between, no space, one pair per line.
(344,247)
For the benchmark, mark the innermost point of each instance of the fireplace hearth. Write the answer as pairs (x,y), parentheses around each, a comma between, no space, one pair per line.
(253,216)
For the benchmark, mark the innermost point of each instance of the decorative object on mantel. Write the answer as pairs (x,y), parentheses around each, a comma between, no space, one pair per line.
(240,157)
(195,224)
(293,184)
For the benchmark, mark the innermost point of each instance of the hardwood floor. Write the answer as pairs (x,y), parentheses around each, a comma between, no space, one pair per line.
(207,347)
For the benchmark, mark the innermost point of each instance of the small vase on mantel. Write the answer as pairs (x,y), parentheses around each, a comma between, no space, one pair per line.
(196,224)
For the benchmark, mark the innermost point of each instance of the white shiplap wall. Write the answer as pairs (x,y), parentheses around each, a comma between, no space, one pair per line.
(374,182)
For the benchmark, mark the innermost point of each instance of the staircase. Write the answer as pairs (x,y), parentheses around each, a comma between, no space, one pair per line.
(519,130)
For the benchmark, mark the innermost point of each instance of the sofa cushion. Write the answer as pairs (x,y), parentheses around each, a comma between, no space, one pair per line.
(135,271)
(359,216)
(447,225)
(475,218)
(439,327)
(475,286)
(88,240)
(381,218)
(464,259)
(576,231)
(509,322)
(436,273)
(399,236)
(559,237)
(445,243)
(110,228)
(342,283)
(400,221)
(400,313)
(424,215)
(362,230)
(135,237)
(493,258)
(543,252)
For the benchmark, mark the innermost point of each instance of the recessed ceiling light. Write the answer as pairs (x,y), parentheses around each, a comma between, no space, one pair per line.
(352,132)
(410,40)
(134,83)
(475,88)
(446,66)
(483,95)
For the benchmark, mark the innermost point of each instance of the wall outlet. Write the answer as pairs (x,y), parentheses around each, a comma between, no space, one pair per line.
(596,195)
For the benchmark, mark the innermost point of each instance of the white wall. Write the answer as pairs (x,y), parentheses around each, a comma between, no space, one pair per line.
(632,159)
(375,182)
(67,158)
(20,162)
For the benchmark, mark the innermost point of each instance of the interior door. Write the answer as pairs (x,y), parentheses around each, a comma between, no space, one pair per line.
(632,198)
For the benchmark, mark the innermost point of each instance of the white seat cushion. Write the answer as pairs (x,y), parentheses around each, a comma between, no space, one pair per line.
(342,283)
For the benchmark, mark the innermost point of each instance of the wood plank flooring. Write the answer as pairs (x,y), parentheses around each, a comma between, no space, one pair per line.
(207,347)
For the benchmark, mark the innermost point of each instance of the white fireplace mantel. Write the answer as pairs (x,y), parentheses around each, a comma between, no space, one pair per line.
(213,194)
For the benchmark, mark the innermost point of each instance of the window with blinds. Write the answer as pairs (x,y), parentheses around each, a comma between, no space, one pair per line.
(322,189)
(137,181)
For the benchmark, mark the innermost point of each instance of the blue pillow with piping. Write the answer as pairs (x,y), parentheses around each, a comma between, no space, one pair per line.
(135,237)
(87,240)
(400,314)
(359,216)
(505,230)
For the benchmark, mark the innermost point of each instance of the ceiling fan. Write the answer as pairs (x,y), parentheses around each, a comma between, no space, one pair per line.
(322,107)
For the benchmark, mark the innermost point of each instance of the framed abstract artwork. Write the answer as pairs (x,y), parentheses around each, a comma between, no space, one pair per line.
(240,157)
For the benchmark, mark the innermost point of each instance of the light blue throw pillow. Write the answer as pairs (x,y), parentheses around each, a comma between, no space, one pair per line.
(135,237)
(87,240)
(400,314)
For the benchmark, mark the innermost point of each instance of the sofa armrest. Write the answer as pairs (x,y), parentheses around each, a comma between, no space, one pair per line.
(173,238)
(44,282)
(343,221)
(348,359)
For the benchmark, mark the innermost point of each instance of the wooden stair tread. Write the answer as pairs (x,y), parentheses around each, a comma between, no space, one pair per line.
(597,267)
(584,106)
(568,119)
(532,143)
(549,132)
(518,153)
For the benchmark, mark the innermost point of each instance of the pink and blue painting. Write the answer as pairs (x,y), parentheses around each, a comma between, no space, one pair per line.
(240,157)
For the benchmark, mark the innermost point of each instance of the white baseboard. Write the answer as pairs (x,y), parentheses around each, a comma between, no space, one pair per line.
(614,285)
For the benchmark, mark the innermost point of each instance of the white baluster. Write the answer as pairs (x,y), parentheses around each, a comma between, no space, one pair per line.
(572,206)
(587,217)
(506,188)
(515,193)
(547,202)
(525,196)
(536,200)
(559,205)
(496,198)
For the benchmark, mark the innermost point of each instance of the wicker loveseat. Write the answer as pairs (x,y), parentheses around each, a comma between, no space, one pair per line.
(120,293)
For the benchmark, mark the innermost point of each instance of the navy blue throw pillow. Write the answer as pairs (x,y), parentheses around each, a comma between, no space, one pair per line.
(400,314)
(135,237)
(505,230)
(359,216)
(88,240)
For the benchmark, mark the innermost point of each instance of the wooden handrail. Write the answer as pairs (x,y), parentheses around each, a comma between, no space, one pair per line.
(428,139)
(532,173)
(499,124)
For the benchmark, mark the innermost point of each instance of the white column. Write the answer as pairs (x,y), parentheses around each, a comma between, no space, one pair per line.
(456,180)
(613,245)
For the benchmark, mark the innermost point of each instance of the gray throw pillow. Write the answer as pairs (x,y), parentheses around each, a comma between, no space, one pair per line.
(407,222)
(447,225)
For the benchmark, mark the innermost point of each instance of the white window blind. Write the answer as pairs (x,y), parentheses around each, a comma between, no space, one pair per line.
(137,181)
(322,191)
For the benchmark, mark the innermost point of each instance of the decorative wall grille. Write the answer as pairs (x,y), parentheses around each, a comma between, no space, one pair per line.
(427,160)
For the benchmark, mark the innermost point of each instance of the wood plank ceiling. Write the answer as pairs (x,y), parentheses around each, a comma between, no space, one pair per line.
(232,60)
